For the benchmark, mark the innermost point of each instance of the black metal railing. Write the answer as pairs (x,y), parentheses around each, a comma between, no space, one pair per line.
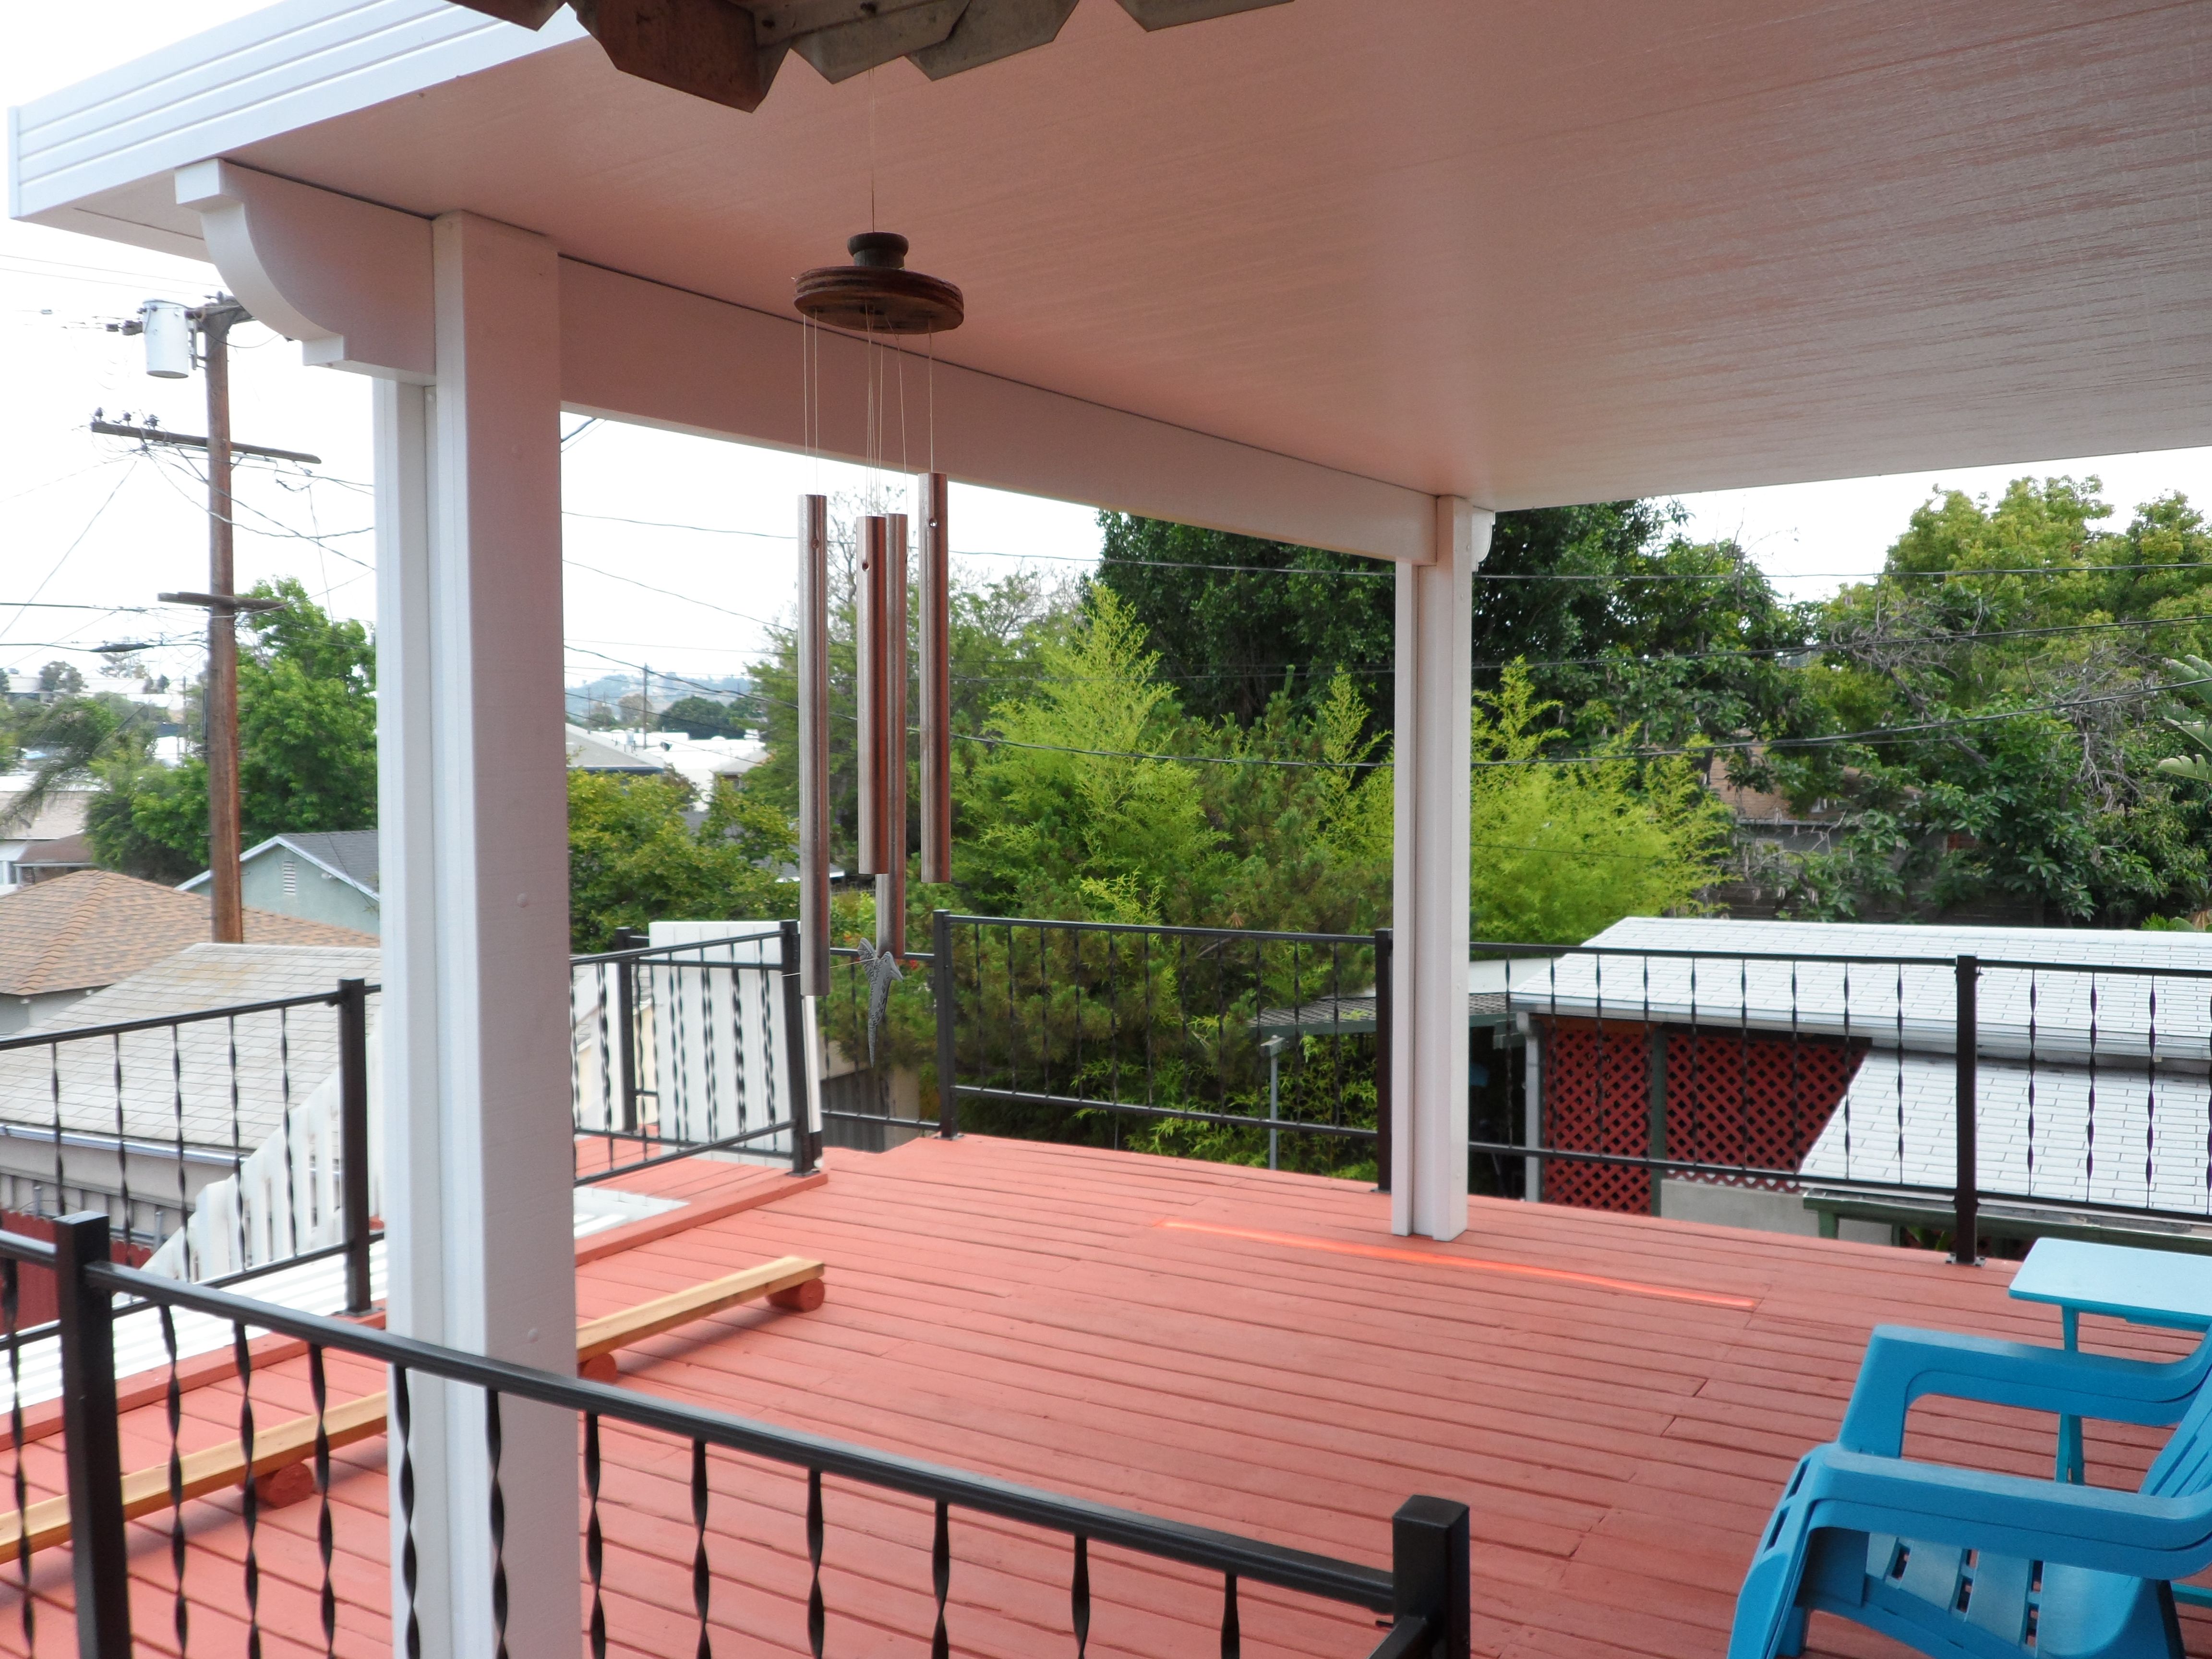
(240,1134)
(679,1049)
(1424,1593)
(1225,1043)
(1984,1096)
(1977,1095)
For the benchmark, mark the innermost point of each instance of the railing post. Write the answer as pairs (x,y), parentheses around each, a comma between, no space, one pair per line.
(1658,1149)
(98,1552)
(1384,1021)
(805,1139)
(353,1137)
(1966,1222)
(1429,1571)
(943,987)
(628,939)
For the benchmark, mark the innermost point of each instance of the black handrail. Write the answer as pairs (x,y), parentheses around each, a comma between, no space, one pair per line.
(1426,1590)
(162,1022)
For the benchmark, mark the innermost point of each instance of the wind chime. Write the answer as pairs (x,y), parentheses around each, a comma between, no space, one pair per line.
(877,299)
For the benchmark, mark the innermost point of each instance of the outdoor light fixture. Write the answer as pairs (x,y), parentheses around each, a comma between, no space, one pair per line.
(877,299)
(729,51)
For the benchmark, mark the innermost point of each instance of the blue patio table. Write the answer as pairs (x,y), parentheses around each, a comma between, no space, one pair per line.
(2144,1287)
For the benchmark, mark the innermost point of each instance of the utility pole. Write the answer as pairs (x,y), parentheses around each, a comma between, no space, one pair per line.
(213,323)
(223,844)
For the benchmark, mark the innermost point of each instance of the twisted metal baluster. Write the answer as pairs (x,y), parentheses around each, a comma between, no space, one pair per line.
(10,1293)
(1078,1595)
(1848,1071)
(325,1536)
(2150,1105)
(493,1441)
(237,1139)
(403,1413)
(706,1046)
(252,1505)
(122,1138)
(595,1547)
(814,1613)
(940,1577)
(796,1115)
(2031,1013)
(1232,1636)
(284,1128)
(1900,1072)
(737,1049)
(54,1084)
(702,1575)
(2089,1138)
(179,1615)
(177,1106)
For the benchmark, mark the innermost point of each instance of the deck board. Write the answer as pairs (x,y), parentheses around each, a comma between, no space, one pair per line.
(1019,1310)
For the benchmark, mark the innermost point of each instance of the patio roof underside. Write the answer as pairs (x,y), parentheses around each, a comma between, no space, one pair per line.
(1524,253)
(1264,1362)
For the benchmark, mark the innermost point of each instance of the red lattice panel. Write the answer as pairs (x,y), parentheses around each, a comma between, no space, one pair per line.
(1759,1100)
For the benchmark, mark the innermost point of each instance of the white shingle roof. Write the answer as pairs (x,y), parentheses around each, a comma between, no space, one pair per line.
(277,1060)
(2066,1133)
(2046,1012)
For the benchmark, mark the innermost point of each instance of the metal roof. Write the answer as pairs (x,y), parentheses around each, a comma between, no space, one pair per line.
(2048,1013)
(2118,1134)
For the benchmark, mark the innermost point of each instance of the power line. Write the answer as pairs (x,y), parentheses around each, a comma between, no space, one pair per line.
(670,592)
(1874,734)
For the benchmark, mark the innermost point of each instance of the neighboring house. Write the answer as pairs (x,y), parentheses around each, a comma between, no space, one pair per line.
(324,876)
(45,860)
(36,837)
(192,1101)
(700,761)
(64,939)
(588,752)
(2093,1089)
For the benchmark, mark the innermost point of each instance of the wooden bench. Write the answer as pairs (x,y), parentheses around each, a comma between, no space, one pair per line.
(283,1467)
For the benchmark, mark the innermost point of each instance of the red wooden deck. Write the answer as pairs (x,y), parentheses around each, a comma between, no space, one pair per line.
(1617,1398)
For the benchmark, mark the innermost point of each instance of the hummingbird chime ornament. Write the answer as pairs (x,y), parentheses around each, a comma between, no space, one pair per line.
(876,299)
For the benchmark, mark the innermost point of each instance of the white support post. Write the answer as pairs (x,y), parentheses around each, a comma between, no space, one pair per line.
(478,1206)
(1429,878)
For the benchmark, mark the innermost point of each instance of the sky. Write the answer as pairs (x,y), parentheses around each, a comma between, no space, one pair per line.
(678,549)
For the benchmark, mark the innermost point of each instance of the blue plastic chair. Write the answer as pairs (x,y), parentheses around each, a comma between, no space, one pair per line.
(1963,1562)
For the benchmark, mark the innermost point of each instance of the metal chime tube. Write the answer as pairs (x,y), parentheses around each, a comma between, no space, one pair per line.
(813,746)
(890,816)
(934,579)
(869,668)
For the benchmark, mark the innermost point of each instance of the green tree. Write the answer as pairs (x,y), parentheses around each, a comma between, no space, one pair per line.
(1064,809)
(635,859)
(306,732)
(1559,852)
(999,628)
(2000,641)
(703,717)
(1622,624)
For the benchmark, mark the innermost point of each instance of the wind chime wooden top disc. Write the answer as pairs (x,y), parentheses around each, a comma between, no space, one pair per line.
(876,293)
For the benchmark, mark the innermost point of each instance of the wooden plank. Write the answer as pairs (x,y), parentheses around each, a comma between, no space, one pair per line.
(603,1336)
(287,1444)
(215,1469)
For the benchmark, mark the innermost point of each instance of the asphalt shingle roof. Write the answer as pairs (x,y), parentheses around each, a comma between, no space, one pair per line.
(92,927)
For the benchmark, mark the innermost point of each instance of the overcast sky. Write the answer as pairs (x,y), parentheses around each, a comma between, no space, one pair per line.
(91,530)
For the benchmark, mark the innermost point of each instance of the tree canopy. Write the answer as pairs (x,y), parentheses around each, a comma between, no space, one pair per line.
(307,734)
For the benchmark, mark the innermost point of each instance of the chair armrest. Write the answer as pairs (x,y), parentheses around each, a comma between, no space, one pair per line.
(2093,1526)
(1902,1364)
